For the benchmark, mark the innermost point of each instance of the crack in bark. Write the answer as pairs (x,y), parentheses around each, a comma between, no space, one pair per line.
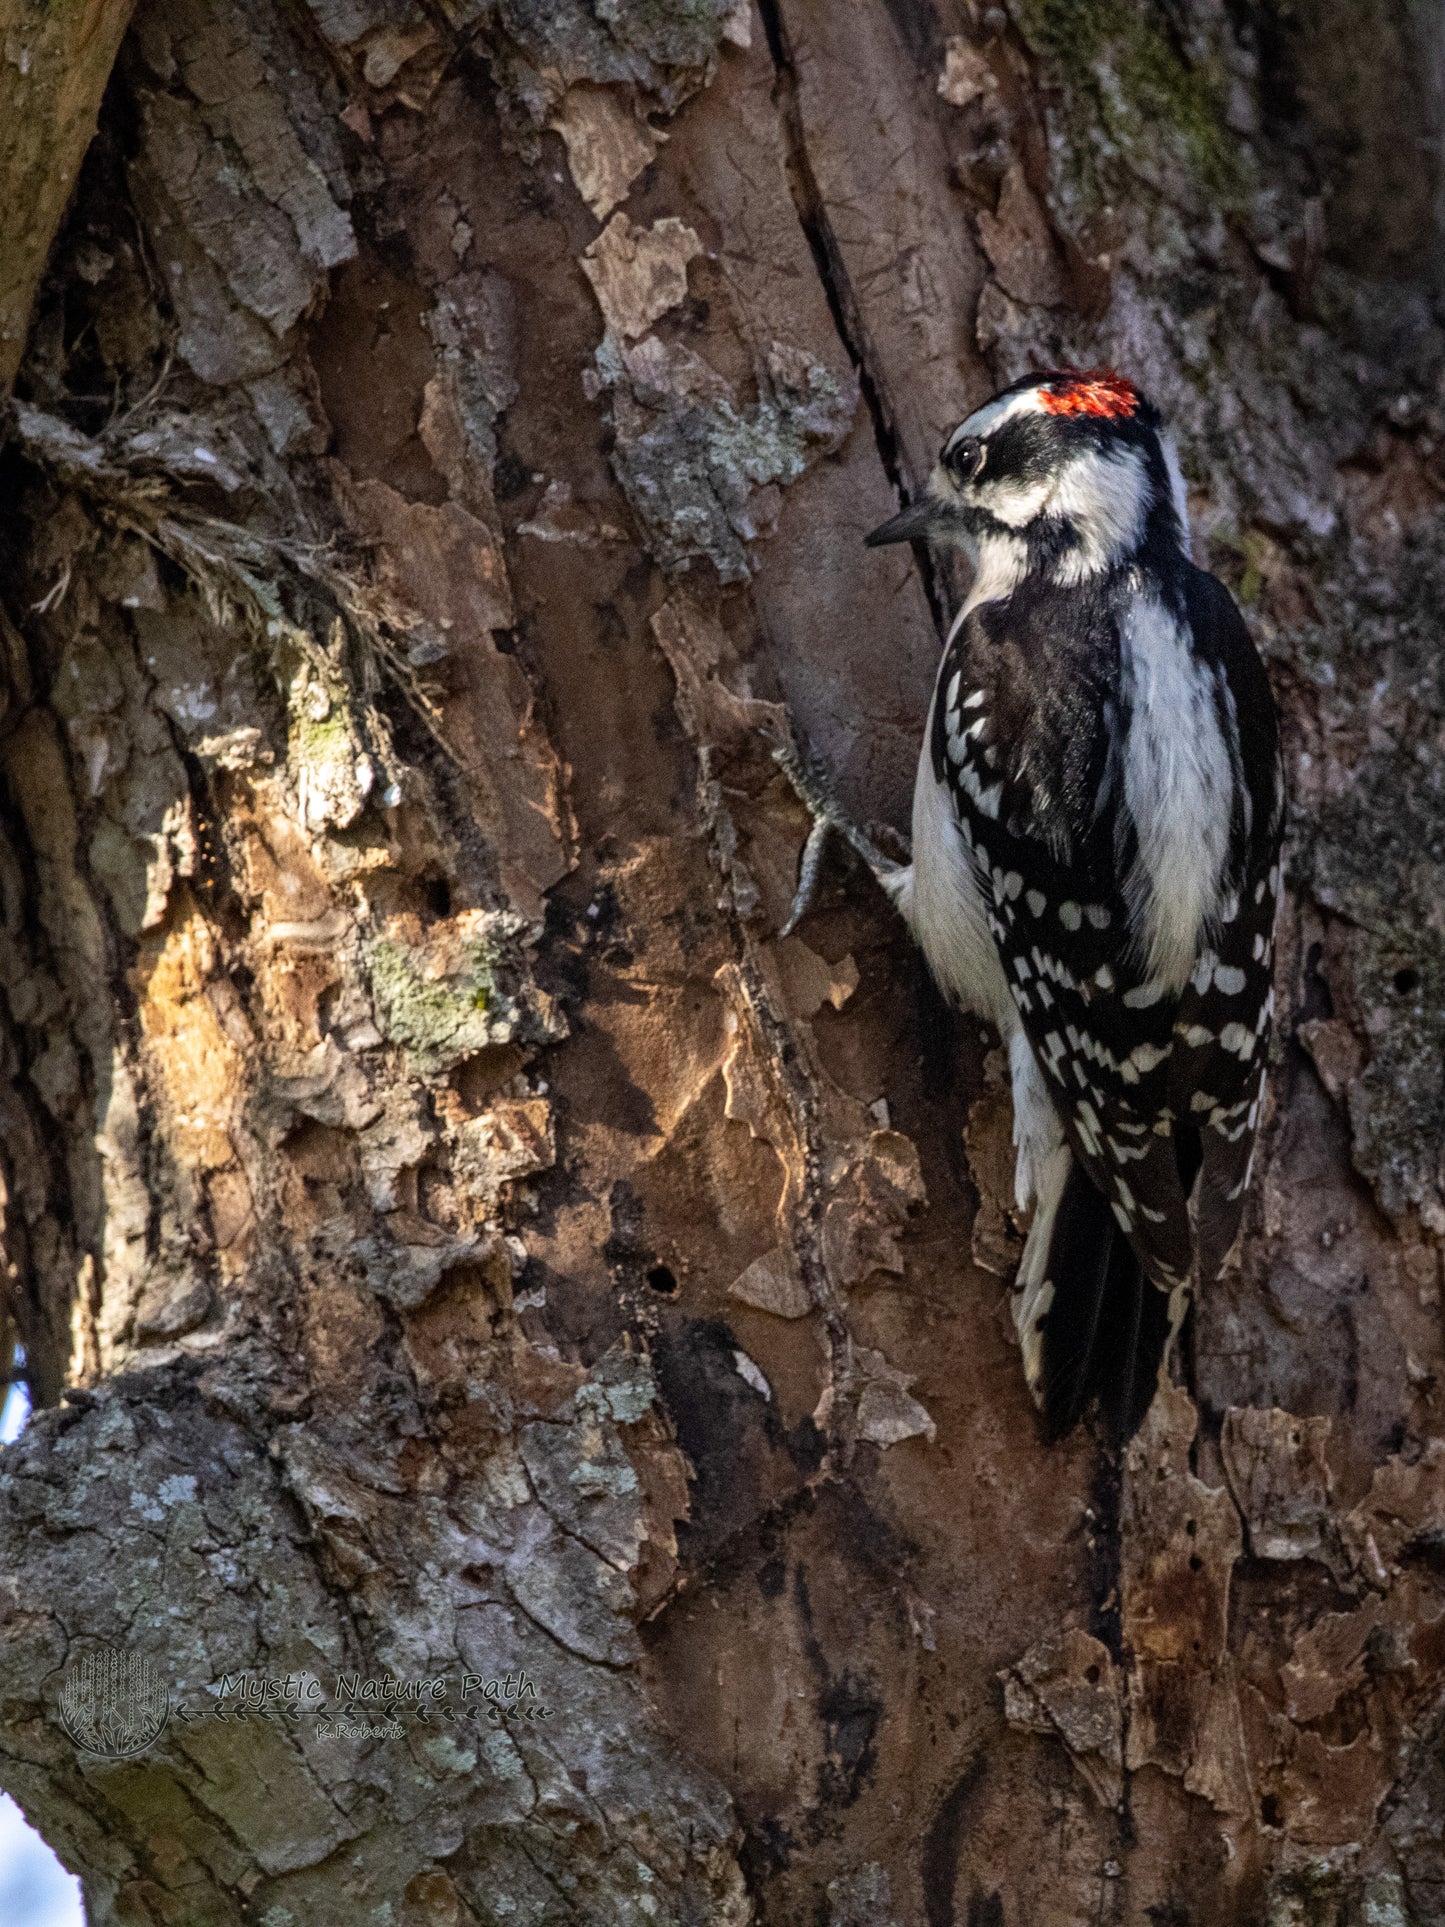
(838,289)
(37,1325)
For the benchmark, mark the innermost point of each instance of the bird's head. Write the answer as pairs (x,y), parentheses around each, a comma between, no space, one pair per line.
(1070,465)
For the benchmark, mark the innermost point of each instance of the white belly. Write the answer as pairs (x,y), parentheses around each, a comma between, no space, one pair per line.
(944,903)
(941,895)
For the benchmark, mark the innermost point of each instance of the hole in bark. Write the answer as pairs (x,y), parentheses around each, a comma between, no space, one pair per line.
(320,1154)
(511,477)
(1406,981)
(1429,1551)
(1316,1001)
(662,1280)
(1269,1813)
(772,1577)
(1091,1674)
(1196,1564)
(478,1079)
(611,626)
(438,894)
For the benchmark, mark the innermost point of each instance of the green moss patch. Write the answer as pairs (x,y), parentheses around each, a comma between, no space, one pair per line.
(1123,69)
(438,1020)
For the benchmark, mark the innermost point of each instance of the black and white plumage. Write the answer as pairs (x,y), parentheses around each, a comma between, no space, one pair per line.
(1096,846)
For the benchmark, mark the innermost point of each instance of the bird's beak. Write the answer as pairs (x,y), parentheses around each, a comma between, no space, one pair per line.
(921,521)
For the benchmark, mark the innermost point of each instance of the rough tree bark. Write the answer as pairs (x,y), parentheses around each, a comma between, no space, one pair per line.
(447,1229)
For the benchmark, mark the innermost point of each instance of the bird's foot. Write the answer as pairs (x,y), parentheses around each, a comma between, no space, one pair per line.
(811,784)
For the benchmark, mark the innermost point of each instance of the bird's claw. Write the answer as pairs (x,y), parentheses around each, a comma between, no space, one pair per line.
(809,866)
(813,789)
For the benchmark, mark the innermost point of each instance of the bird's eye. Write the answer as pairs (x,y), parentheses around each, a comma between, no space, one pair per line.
(964,458)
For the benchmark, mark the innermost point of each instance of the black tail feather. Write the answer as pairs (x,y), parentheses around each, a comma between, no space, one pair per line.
(1106,1329)
(1078,1265)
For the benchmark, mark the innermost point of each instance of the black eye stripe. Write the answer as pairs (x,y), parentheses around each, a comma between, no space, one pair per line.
(964,458)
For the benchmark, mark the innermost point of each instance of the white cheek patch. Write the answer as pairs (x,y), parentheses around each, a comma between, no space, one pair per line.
(1104,496)
(1015,504)
(1106,499)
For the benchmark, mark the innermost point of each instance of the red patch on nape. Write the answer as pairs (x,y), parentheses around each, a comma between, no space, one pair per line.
(1089,391)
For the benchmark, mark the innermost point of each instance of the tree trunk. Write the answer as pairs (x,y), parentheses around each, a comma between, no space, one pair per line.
(450,1232)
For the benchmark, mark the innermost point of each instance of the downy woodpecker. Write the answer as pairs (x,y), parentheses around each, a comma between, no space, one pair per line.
(1096,867)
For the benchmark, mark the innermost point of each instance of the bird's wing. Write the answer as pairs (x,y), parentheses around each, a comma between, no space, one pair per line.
(1222,1029)
(1030,756)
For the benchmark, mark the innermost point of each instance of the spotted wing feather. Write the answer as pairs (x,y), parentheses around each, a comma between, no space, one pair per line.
(1222,1030)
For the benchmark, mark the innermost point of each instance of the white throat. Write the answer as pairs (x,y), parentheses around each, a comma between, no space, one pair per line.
(1000,563)
(1105,497)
